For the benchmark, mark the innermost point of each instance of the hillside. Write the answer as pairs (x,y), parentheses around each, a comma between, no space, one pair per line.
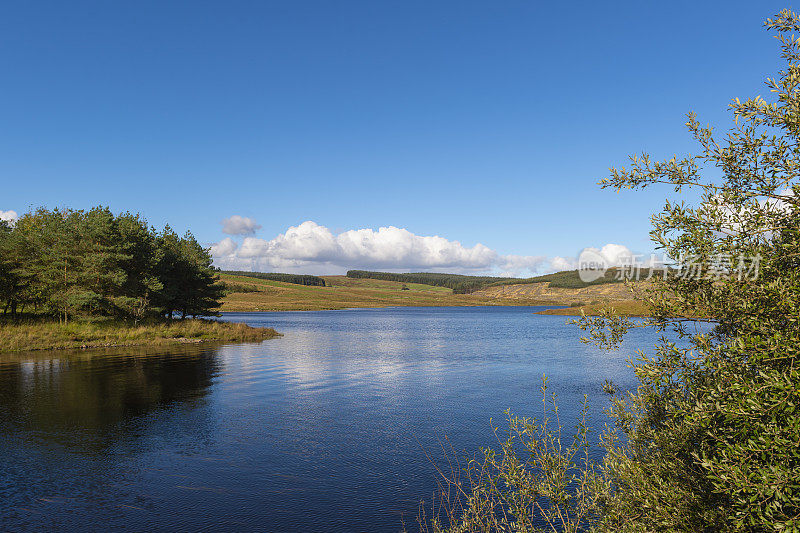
(571,279)
(459,283)
(589,299)
(567,279)
(546,291)
(297,279)
(341,292)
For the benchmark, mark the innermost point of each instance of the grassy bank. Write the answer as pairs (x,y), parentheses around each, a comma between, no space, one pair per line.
(631,308)
(48,335)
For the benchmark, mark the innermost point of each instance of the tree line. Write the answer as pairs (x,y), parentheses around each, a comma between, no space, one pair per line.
(571,279)
(69,263)
(459,283)
(567,279)
(297,279)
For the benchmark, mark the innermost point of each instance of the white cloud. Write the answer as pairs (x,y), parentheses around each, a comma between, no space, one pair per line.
(224,247)
(609,255)
(521,263)
(613,254)
(310,247)
(237,225)
(754,217)
(558,263)
(8,216)
(313,249)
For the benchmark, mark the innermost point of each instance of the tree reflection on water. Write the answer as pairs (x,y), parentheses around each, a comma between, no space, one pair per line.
(91,400)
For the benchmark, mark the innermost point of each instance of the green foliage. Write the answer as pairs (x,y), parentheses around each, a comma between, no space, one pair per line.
(297,279)
(460,284)
(189,281)
(539,480)
(710,439)
(711,435)
(69,263)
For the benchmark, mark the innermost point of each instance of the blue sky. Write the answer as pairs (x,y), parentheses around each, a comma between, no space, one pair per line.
(478,122)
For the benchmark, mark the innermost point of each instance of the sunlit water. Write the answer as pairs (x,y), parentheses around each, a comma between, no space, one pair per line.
(325,429)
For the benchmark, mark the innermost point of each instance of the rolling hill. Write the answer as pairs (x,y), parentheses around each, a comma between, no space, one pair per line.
(248,293)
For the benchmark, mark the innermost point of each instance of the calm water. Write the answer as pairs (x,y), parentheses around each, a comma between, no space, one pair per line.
(321,430)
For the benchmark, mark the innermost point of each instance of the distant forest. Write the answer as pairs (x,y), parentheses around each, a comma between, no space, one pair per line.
(570,279)
(460,284)
(67,263)
(297,279)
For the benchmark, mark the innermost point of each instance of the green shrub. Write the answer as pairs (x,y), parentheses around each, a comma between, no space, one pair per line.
(710,438)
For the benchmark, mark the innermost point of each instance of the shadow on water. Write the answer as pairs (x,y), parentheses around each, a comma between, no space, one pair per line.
(88,400)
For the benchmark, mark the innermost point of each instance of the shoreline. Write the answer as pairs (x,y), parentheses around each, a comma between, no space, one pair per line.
(410,306)
(626,308)
(289,307)
(38,335)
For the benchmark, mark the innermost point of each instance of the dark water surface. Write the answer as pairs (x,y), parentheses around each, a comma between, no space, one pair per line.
(321,430)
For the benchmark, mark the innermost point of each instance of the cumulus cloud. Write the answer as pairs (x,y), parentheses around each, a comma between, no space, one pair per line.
(223,248)
(8,216)
(310,247)
(607,256)
(238,225)
(558,263)
(521,263)
(612,254)
(755,217)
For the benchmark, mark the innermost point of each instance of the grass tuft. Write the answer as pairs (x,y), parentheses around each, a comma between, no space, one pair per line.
(42,334)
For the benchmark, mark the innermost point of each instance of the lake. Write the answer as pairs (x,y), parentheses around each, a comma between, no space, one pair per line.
(324,429)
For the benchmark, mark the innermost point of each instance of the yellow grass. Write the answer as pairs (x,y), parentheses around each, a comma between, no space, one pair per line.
(45,335)
(622,307)
(347,293)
